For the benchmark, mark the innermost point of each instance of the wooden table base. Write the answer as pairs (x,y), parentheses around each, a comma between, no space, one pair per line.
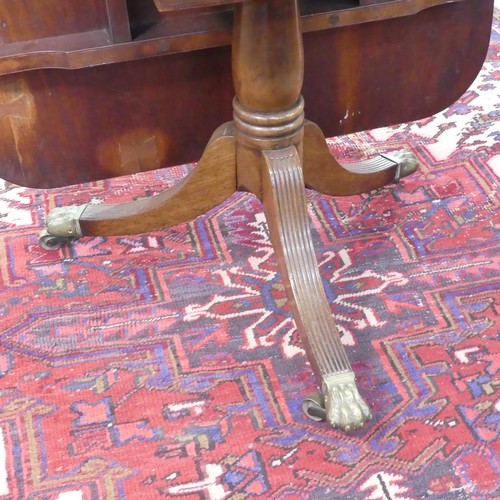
(271,151)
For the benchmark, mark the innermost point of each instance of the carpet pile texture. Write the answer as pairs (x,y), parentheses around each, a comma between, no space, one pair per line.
(168,364)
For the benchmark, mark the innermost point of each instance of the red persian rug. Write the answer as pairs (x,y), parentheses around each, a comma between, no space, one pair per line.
(168,364)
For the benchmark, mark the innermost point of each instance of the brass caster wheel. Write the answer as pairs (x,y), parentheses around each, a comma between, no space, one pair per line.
(50,242)
(314,407)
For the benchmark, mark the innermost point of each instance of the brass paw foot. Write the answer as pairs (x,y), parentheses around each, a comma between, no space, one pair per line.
(345,408)
(406,162)
(62,226)
(340,404)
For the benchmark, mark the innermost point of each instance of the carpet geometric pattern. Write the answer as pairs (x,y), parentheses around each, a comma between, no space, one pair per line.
(168,365)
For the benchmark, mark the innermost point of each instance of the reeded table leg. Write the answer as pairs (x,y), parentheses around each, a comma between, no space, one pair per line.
(286,213)
(323,173)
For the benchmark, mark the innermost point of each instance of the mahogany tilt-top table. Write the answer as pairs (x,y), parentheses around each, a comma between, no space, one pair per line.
(269,148)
